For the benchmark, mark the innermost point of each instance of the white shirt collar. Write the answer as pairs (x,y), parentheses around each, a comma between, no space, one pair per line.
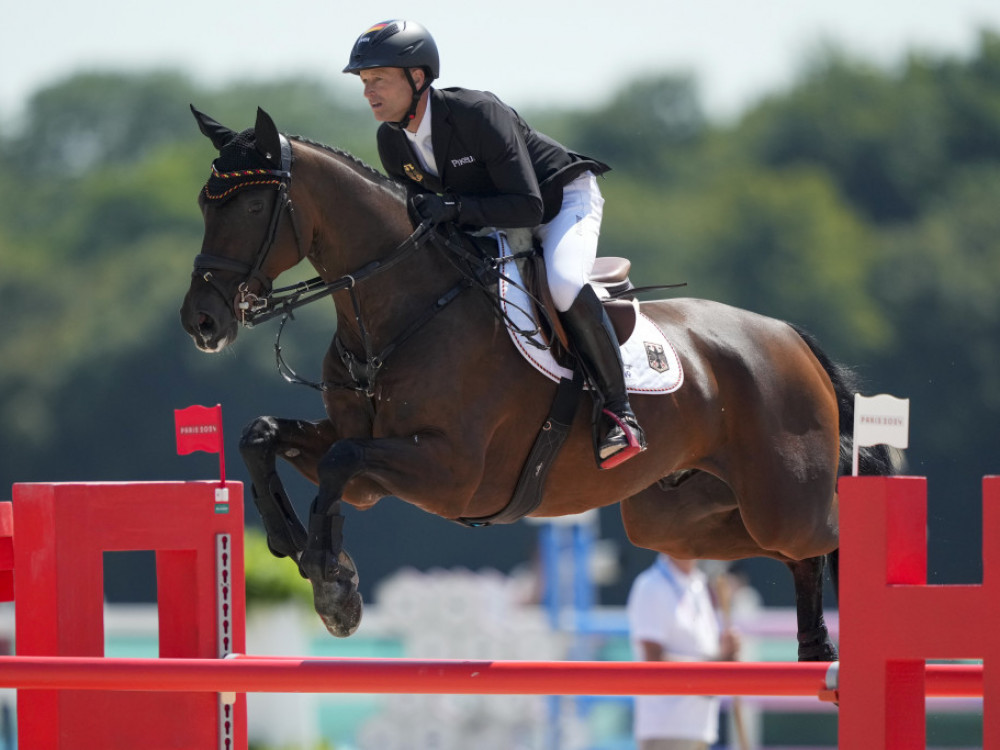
(424,128)
(421,141)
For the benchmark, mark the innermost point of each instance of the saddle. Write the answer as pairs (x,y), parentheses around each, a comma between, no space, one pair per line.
(609,274)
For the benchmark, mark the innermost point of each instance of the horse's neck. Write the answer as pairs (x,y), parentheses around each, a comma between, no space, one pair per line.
(358,216)
(390,302)
(361,219)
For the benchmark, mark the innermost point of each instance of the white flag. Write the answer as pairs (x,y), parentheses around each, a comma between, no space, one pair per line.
(880,420)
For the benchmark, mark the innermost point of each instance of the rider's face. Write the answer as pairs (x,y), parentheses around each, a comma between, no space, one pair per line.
(388,92)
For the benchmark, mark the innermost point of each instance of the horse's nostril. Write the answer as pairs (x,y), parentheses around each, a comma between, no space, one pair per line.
(206,325)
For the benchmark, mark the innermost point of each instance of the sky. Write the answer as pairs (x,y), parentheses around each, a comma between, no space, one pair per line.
(530,52)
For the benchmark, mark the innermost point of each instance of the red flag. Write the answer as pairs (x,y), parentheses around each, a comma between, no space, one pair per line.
(199,428)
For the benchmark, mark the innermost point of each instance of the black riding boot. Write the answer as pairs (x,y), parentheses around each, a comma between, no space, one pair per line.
(595,342)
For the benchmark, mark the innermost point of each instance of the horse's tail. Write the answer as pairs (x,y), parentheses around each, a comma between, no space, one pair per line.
(875,460)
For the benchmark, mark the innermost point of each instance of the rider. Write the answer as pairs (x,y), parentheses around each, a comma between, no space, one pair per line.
(466,156)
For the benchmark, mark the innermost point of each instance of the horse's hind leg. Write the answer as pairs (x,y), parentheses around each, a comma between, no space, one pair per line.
(693,516)
(834,559)
(814,639)
(697,518)
(302,444)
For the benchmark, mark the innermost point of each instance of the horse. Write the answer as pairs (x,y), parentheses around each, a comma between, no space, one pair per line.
(427,399)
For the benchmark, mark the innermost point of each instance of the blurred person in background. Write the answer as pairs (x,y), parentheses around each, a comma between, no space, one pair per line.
(672,617)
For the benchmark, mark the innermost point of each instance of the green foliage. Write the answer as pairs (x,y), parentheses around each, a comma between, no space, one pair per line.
(890,140)
(95,119)
(645,128)
(271,581)
(785,244)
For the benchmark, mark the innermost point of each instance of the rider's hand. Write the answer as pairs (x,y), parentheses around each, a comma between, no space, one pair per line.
(436,209)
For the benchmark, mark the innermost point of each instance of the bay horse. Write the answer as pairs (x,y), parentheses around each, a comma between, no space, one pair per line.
(428,400)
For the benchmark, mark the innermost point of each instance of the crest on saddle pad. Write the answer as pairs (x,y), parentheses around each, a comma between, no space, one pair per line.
(656,356)
(651,364)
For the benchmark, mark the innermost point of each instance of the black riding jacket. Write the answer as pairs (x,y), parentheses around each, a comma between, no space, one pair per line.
(505,173)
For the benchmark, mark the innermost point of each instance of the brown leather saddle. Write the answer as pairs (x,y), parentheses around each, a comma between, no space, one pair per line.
(609,273)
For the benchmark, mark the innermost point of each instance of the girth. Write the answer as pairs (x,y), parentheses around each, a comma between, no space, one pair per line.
(531,484)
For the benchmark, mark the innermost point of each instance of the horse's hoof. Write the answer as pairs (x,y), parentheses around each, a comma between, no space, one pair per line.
(337,601)
(820,651)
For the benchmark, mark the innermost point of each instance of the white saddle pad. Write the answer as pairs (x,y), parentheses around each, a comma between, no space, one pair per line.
(651,364)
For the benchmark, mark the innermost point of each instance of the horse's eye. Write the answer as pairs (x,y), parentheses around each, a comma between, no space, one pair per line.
(255,207)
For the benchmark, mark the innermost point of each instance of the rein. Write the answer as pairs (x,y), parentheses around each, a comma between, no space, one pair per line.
(284,301)
(363,372)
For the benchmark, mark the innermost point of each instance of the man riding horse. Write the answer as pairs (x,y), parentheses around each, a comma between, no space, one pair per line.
(467,157)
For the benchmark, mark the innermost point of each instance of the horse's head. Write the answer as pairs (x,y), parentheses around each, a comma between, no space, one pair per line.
(250,233)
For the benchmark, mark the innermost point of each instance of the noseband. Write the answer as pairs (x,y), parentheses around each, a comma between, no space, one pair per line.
(250,304)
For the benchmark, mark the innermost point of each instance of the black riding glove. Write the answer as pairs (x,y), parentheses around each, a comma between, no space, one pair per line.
(436,209)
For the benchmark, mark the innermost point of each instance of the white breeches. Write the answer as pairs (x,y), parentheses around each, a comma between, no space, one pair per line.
(569,241)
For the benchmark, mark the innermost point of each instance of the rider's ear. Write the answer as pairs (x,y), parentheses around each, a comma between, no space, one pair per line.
(218,134)
(268,142)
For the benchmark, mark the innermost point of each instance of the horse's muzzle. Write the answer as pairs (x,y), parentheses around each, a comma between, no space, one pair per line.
(211,326)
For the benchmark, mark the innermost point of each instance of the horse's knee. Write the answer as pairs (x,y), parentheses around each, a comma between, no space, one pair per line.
(259,439)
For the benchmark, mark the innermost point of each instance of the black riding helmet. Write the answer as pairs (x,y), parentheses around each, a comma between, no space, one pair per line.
(397,44)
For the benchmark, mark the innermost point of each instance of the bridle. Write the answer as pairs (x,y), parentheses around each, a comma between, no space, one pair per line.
(250,304)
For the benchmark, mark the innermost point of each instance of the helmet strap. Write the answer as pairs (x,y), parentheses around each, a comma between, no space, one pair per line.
(417,93)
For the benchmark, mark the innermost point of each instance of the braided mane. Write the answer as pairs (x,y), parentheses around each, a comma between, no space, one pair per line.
(353,161)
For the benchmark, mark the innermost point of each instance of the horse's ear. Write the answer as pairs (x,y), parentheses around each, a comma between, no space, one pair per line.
(218,134)
(267,138)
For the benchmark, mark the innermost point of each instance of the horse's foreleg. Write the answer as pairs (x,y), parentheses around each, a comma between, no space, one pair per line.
(420,468)
(301,443)
(329,568)
(814,639)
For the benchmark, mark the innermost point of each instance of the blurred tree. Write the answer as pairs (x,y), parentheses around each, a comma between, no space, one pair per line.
(786,245)
(781,243)
(971,101)
(939,278)
(96,119)
(643,129)
(889,139)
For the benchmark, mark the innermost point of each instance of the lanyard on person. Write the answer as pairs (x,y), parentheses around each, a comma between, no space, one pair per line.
(666,570)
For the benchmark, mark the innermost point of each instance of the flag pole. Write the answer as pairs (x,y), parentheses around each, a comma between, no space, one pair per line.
(222,450)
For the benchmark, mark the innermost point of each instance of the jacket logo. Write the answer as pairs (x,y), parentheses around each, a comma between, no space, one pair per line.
(413,173)
(463,161)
